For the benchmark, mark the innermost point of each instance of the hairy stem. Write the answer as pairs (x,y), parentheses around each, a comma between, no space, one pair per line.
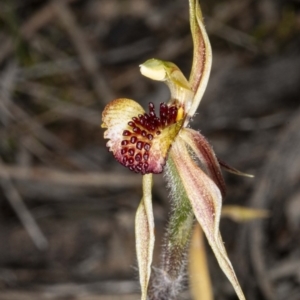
(167,280)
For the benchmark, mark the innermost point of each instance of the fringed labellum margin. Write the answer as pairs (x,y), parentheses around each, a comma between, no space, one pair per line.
(145,129)
(141,141)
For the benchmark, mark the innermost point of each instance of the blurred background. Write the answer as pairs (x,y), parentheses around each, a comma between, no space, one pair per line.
(67,207)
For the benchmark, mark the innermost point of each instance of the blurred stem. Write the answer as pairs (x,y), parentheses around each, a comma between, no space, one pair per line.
(200,283)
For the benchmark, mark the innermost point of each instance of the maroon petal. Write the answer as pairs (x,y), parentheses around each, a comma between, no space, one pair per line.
(204,152)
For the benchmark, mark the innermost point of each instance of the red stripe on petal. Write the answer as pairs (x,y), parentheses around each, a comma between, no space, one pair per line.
(202,57)
(206,201)
(206,155)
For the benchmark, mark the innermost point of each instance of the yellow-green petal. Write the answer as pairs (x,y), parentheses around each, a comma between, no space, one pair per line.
(169,73)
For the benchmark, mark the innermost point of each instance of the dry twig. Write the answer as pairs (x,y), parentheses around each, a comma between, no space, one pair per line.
(280,174)
(88,179)
(16,202)
(87,57)
(30,27)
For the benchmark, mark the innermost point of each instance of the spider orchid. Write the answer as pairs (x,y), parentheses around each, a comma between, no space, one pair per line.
(150,143)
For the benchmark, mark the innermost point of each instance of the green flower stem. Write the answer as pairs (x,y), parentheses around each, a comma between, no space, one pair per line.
(167,280)
(179,228)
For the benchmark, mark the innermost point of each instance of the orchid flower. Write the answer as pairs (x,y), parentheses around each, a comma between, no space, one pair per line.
(154,142)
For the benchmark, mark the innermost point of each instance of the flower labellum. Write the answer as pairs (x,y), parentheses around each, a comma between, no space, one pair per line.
(140,140)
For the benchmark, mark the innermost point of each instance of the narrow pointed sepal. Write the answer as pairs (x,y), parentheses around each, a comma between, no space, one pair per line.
(144,229)
(233,170)
(202,57)
(206,201)
(206,156)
